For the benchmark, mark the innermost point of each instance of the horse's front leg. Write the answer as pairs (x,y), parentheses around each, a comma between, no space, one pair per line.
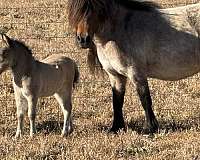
(151,124)
(32,102)
(118,84)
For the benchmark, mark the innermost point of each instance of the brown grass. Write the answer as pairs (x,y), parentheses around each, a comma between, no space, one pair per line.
(43,26)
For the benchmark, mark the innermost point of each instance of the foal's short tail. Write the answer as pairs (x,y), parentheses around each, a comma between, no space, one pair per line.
(77,75)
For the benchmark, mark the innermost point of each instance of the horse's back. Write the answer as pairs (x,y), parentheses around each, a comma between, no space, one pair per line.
(181,8)
(185,18)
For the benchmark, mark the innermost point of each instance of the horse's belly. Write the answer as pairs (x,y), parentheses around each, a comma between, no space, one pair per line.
(173,74)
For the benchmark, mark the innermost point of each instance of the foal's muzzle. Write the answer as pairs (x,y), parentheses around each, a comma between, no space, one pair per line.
(83,41)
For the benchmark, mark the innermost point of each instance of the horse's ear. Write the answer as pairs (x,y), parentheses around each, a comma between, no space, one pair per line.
(6,40)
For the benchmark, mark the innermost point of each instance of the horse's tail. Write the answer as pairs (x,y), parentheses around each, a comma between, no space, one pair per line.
(76,75)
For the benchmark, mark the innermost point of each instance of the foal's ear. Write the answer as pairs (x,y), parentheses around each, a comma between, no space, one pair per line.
(6,40)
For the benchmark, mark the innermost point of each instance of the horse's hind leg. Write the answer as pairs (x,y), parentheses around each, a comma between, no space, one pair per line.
(64,101)
(151,124)
(118,84)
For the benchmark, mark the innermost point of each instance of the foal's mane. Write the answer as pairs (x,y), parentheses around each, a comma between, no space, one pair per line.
(79,9)
(21,44)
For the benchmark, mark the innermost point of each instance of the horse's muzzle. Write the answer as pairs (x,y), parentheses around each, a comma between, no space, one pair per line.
(83,42)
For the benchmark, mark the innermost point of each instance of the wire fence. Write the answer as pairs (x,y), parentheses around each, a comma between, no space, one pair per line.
(43,26)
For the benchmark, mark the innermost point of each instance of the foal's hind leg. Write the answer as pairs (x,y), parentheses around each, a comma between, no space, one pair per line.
(118,84)
(151,124)
(32,102)
(64,101)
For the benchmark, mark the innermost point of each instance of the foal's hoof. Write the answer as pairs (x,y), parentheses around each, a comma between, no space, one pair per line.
(18,135)
(32,135)
(67,133)
(151,127)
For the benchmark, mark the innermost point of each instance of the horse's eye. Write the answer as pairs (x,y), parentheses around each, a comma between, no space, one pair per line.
(1,58)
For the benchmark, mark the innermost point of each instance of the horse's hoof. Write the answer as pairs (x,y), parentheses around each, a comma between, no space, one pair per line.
(113,130)
(150,128)
(116,129)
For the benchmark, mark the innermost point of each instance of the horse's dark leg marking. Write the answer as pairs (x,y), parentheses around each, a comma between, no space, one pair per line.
(151,124)
(118,84)
(118,100)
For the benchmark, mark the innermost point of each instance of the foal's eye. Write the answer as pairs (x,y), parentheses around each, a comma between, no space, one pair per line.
(5,54)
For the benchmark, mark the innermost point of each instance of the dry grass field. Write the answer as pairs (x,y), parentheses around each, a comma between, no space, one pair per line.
(43,25)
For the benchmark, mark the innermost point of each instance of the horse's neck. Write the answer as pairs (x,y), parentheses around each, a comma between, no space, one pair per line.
(23,69)
(111,29)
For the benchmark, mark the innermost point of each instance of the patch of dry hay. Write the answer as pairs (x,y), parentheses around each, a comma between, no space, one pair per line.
(43,26)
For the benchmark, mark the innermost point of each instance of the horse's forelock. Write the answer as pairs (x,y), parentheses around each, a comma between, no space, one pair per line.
(79,9)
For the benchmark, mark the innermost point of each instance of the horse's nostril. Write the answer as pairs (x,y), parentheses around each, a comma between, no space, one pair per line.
(84,41)
(79,38)
(87,39)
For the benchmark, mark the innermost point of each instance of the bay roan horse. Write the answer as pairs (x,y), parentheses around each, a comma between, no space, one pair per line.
(137,40)
(55,75)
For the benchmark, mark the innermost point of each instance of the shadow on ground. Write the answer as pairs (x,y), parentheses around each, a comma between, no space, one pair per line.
(50,126)
(45,127)
(168,125)
(165,126)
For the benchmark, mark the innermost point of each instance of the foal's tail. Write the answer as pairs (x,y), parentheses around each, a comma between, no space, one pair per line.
(77,75)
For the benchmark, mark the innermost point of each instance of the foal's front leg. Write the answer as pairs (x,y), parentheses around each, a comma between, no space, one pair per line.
(151,123)
(21,105)
(118,84)
(32,102)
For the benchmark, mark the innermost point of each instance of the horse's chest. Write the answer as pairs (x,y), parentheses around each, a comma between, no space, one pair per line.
(104,60)
(111,60)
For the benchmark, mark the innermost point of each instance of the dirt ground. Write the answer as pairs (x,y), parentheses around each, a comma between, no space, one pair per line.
(43,26)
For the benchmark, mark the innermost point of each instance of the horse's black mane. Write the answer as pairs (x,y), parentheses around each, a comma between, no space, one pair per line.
(78,9)
(18,43)
(138,5)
